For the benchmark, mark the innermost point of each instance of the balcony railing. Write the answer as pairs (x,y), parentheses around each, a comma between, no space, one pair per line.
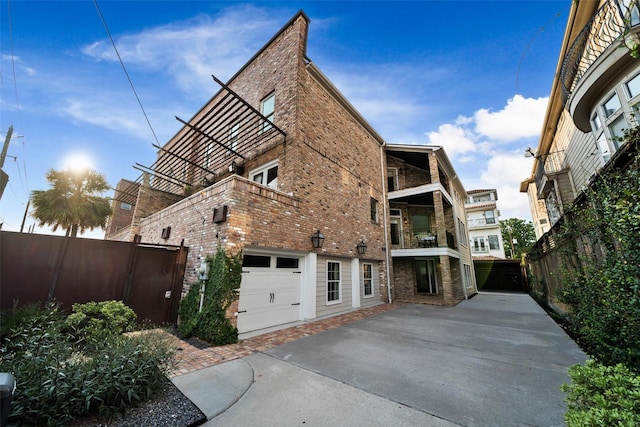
(549,164)
(424,240)
(479,222)
(611,23)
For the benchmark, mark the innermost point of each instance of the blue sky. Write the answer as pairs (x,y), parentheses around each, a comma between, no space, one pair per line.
(472,76)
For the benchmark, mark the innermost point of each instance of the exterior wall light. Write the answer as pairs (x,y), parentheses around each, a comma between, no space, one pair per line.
(361,247)
(235,169)
(317,239)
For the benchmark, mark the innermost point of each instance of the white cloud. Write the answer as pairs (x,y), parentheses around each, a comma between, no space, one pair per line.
(520,118)
(504,172)
(190,51)
(455,140)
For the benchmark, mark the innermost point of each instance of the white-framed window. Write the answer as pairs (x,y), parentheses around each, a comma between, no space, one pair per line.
(367,280)
(494,242)
(392,179)
(268,109)
(489,217)
(266,174)
(125,206)
(208,155)
(468,278)
(611,105)
(479,245)
(633,86)
(334,283)
(234,131)
(462,229)
(374,210)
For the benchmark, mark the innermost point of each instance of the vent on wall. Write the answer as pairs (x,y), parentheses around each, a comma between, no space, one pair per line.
(166,232)
(220,214)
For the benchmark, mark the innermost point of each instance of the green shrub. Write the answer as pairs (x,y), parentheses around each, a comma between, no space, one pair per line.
(188,312)
(58,380)
(92,322)
(602,396)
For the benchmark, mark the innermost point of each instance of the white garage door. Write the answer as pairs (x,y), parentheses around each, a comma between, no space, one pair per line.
(269,292)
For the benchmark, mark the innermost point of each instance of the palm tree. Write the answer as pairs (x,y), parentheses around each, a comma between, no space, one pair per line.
(73,202)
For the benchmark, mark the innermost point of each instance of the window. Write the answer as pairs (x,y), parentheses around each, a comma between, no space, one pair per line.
(333,283)
(603,147)
(374,210)
(266,175)
(234,130)
(256,261)
(125,206)
(479,244)
(392,179)
(462,229)
(595,122)
(267,108)
(208,154)
(633,86)
(489,217)
(611,105)
(616,129)
(367,279)
(284,262)
(468,278)
(494,243)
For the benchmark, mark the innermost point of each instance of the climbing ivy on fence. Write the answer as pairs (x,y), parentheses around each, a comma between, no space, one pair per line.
(603,287)
(221,290)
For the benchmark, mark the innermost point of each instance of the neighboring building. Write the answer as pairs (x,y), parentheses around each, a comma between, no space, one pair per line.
(427,223)
(280,165)
(483,223)
(122,212)
(594,98)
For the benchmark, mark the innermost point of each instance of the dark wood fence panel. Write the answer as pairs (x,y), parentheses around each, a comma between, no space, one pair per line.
(38,268)
(499,275)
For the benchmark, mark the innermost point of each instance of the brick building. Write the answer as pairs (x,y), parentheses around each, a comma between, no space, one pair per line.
(280,165)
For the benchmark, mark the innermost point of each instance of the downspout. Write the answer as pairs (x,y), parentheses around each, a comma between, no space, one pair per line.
(386,225)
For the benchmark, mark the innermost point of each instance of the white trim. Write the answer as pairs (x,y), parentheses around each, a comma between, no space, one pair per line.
(263,170)
(309,286)
(355,282)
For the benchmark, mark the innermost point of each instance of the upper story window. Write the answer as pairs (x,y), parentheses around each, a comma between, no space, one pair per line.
(494,242)
(374,210)
(489,217)
(208,155)
(268,109)
(617,112)
(392,179)
(611,105)
(234,131)
(266,174)
(125,206)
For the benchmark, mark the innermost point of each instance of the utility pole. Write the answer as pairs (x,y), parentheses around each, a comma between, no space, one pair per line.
(4,178)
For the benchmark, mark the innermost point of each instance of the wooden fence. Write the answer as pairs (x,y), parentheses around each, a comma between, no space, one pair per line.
(35,268)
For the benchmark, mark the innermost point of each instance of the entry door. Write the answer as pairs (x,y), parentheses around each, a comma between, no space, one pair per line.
(426,277)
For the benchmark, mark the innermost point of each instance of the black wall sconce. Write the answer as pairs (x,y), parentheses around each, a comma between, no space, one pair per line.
(166,232)
(235,168)
(361,247)
(317,240)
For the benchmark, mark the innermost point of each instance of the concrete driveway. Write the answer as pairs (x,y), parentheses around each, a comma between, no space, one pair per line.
(495,360)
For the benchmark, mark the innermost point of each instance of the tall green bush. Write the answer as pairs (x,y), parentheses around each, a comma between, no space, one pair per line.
(221,290)
(604,292)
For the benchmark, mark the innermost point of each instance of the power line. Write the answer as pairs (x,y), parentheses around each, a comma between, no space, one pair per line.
(104,23)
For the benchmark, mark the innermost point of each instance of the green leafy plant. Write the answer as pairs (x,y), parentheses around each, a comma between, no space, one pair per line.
(93,321)
(221,290)
(601,259)
(59,378)
(602,396)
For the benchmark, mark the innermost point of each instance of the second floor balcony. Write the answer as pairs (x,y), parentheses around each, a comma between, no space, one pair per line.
(608,43)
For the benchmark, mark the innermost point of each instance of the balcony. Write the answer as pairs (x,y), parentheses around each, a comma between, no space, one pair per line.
(594,58)
(549,166)
(481,222)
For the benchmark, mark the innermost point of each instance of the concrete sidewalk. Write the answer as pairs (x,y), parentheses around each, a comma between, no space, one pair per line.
(496,359)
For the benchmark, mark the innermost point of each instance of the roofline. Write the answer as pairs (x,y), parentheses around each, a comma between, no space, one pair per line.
(335,93)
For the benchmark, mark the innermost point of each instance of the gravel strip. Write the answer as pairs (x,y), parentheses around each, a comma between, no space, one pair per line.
(170,408)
